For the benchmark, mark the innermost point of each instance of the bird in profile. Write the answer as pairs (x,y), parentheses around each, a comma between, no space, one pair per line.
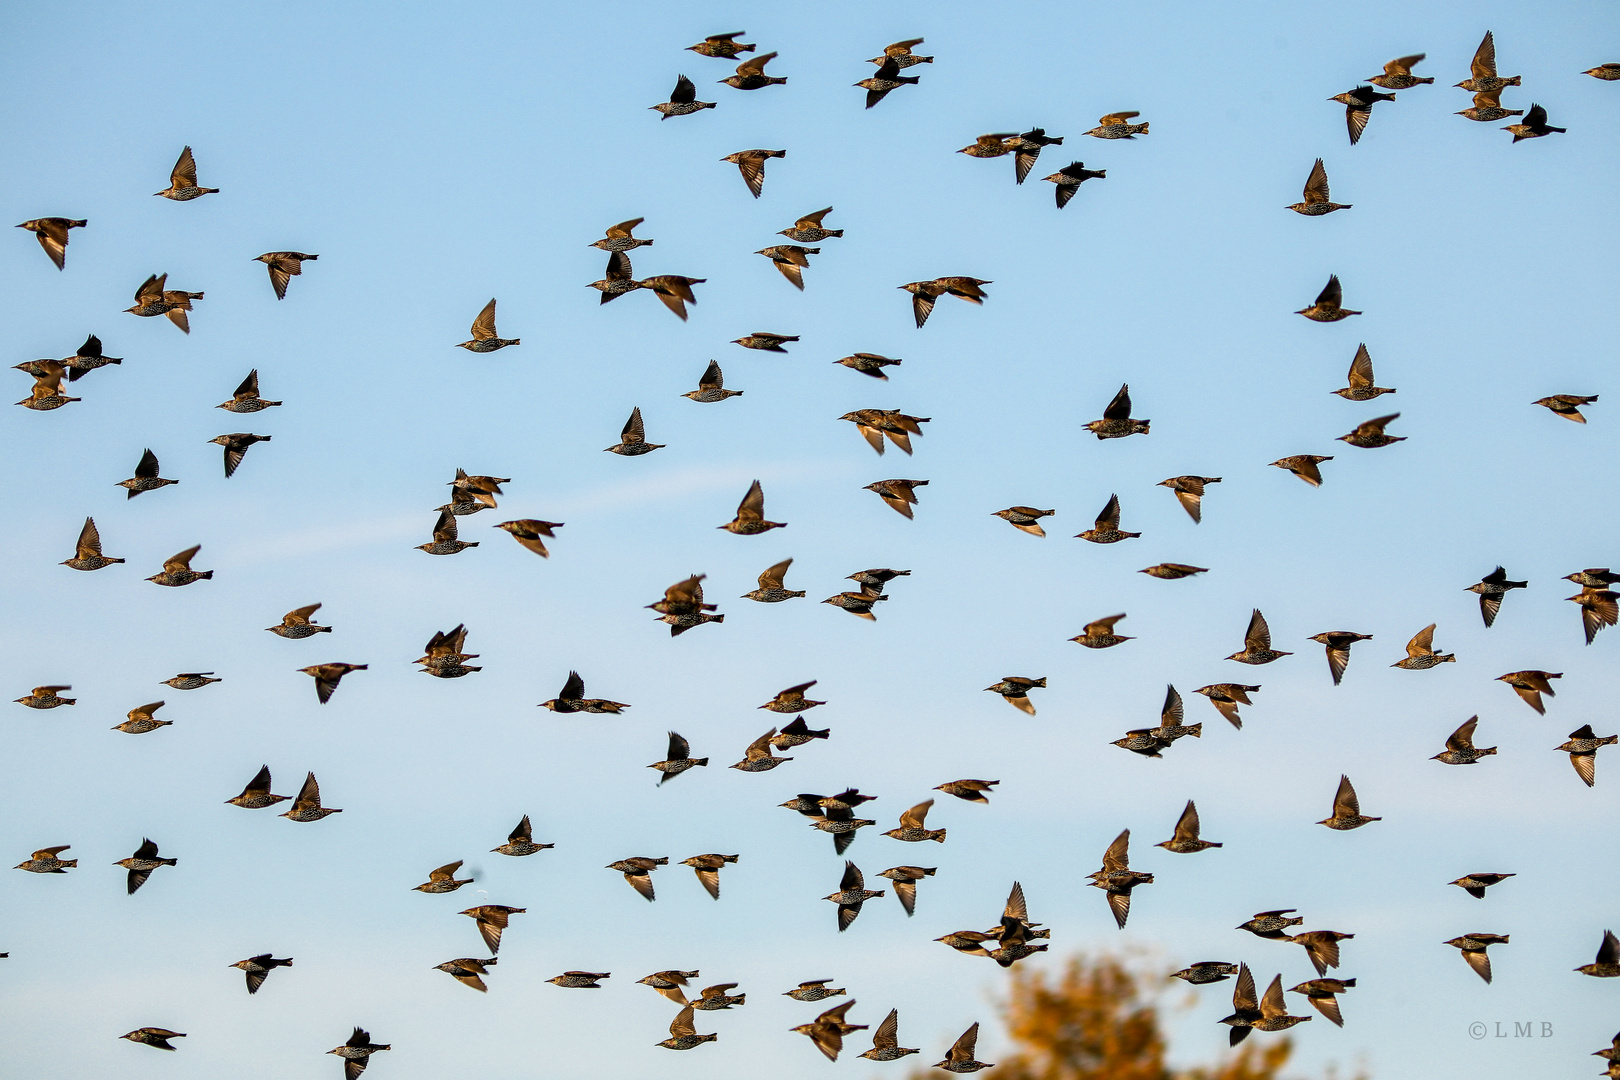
(484,337)
(827,1031)
(327,677)
(1226,697)
(885,79)
(715,997)
(751,74)
(47,391)
(258,968)
(356,1053)
(1398,76)
(1185,840)
(89,357)
(1487,107)
(1460,748)
(143,718)
(153,299)
(1337,643)
(707,868)
(1491,589)
(1534,126)
(1530,685)
(669,983)
(814,990)
(532,533)
(792,699)
(991,146)
(758,757)
(1476,884)
(1173,571)
(1598,608)
(1606,72)
(1069,178)
(1100,634)
(1205,971)
(45,861)
(1273,1011)
(307,803)
(673,290)
(620,237)
(852,893)
(751,163)
(683,608)
(579,980)
(1107,530)
(900,52)
(1027,148)
(837,821)
(1483,75)
(682,100)
(1370,435)
(87,550)
(1118,126)
(571,699)
(771,590)
(1361,386)
(913,829)
(766,342)
(183,180)
(246,397)
(1358,104)
(256,795)
(620,278)
(45,697)
(974,791)
(1582,749)
(283,267)
(899,495)
(1420,654)
(154,1037)
(886,1039)
(721,46)
(177,570)
(807,230)
(1347,813)
(1566,405)
(468,971)
(1474,948)
(683,1032)
(295,624)
(1257,643)
(711,386)
(905,880)
(1317,200)
(1272,925)
(191,680)
(1117,879)
(858,603)
(1607,964)
(1024,518)
(1015,689)
(1250,1013)
(874,424)
(1329,304)
(959,1059)
(1171,717)
(492,920)
(1189,492)
(750,519)
(1305,466)
(791,260)
(633,439)
(1116,422)
(443,879)
(925,293)
(52,234)
(236,446)
(444,537)
(141,864)
(520,841)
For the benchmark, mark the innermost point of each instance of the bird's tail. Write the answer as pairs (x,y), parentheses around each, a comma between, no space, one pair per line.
(206,575)
(700,761)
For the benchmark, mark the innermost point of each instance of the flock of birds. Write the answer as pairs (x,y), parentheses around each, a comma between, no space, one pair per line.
(1014,936)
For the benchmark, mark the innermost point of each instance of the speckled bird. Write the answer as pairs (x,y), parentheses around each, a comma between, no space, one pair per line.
(1361,386)
(1582,749)
(757,758)
(88,358)
(236,446)
(1107,530)
(1117,422)
(750,519)
(295,624)
(45,861)
(792,699)
(1460,748)
(154,1036)
(812,990)
(1226,697)
(1534,126)
(673,291)
(1567,405)
(307,803)
(468,971)
(1398,75)
(1069,178)
(445,649)
(1171,715)
(1189,492)
(356,1053)
(579,980)
(52,234)
(682,100)
(520,841)
(1606,72)
(284,266)
(256,795)
(765,342)
(1305,466)
(1370,435)
(1317,200)
(1117,879)
(1329,304)
(492,921)
(874,424)
(751,163)
(711,386)
(141,864)
(714,998)
(327,677)
(721,46)
(791,260)
(1487,107)
(900,52)
(443,879)
(1473,948)
(258,968)
(1204,972)
(153,299)
(1491,589)
(912,827)
(1185,839)
(1358,105)
(960,1059)
(146,477)
(809,230)
(1271,925)
(1024,518)
(1483,75)
(1027,147)
(1100,634)
(751,74)
(1015,689)
(1171,571)
(683,1034)
(1607,964)
(669,983)
(484,337)
(707,868)
(1257,643)
(975,791)
(1118,126)
(868,364)
(142,719)
(1347,813)
(191,680)
(827,1031)
(905,880)
(857,603)
(898,495)
(531,533)
(444,537)
(47,391)
(1599,608)
(1420,654)
(87,550)
(886,1039)
(619,237)
(925,293)
(619,279)
(177,570)
(183,180)
(991,146)
(1321,992)
(771,590)
(1531,684)
(571,699)
(246,397)
(45,697)
(1476,884)
(887,78)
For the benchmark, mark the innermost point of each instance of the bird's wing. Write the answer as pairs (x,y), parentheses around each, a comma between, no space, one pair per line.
(483,327)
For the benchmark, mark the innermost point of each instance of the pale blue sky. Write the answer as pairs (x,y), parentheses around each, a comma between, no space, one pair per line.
(435,157)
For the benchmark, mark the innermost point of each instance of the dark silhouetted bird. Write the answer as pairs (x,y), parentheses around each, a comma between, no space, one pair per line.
(1491,589)
(898,494)
(1534,126)
(886,78)
(258,968)
(1473,948)
(154,1037)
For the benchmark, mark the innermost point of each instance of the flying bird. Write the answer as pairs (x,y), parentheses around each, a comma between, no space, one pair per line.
(1116,422)
(682,100)
(960,1059)
(283,267)
(1530,685)
(1347,813)
(621,237)
(750,519)
(177,571)
(827,1031)
(1329,304)
(1483,77)
(87,550)
(141,864)
(1305,466)
(1358,105)
(1534,126)
(307,803)
(1398,76)
(1582,749)
(1460,748)
(356,1053)
(1566,405)
(1420,654)
(1257,643)
(711,386)
(790,259)
(258,968)
(1118,126)
(885,79)
(1107,530)
(1317,200)
(1069,178)
(1491,589)
(766,342)
(899,495)
(1474,947)
(633,438)
(751,74)
(153,299)
(721,46)
(52,234)
(925,293)
(256,795)
(236,447)
(1361,386)
(852,893)
(1185,840)
(751,163)
(327,677)
(484,337)
(1337,643)
(771,590)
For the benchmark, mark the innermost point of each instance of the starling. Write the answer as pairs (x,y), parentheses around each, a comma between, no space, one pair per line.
(88,358)
(751,74)
(1322,946)
(758,756)
(307,803)
(678,761)
(183,180)
(750,519)
(721,46)
(468,971)
(1483,75)
(792,699)
(1488,106)
(1491,589)
(256,795)
(924,293)
(673,290)
(619,279)
(751,163)
(808,230)
(1460,748)
(1582,749)
(638,872)
(87,550)
(1069,178)
(882,576)
(683,608)
(791,259)
(258,968)
(770,589)
(969,942)
(1304,466)
(1027,148)
(1420,654)
(1100,634)
(857,603)
(868,364)
(1358,105)
(444,657)
(765,342)
(619,237)
(177,570)
(1321,991)
(1530,685)
(492,920)
(683,1035)
(669,983)
(1566,405)
(1328,304)
(572,699)
(852,893)
(1370,435)
(191,680)
(1245,1006)
(141,864)
(886,78)
(1361,386)
(1398,76)
(1606,72)
(898,494)
(959,1059)
(1257,643)
(814,990)
(874,424)
(1599,608)
(520,841)
(1116,422)
(1226,697)
(1597,577)
(1205,971)
(905,880)
(1473,948)
(236,447)
(1347,813)
(1118,879)
(532,533)
(1172,571)
(827,1031)
(1476,884)
(900,52)
(707,868)
(154,1036)
(1170,720)
(1534,126)
(296,624)
(356,1052)
(991,146)
(848,799)
(44,697)
(682,100)
(1607,964)
(152,299)
(1189,491)
(1024,518)
(1185,840)
(1272,925)
(1317,201)
(47,392)
(45,861)
(284,266)
(912,829)
(839,822)
(886,1039)
(1015,689)
(579,980)
(327,677)
(1107,530)
(1273,1012)
(712,386)
(484,338)
(444,537)
(715,997)
(246,399)
(142,719)
(1118,126)
(52,234)
(443,880)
